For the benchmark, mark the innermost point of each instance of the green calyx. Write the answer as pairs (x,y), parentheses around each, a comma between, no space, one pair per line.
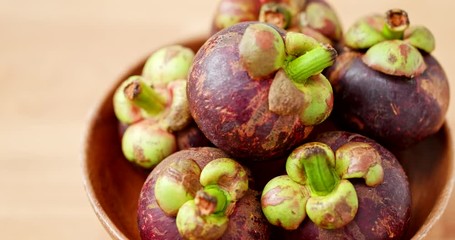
(283,202)
(144,96)
(312,101)
(146,144)
(201,200)
(232,12)
(323,19)
(125,111)
(318,100)
(177,184)
(178,116)
(192,225)
(228,174)
(359,160)
(395,57)
(421,38)
(277,14)
(153,103)
(336,209)
(392,45)
(298,44)
(317,185)
(365,33)
(299,88)
(167,64)
(261,50)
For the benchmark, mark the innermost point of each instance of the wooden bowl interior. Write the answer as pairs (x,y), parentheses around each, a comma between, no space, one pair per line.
(113,184)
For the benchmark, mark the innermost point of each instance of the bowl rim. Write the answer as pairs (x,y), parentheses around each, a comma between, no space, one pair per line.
(446,193)
(433,217)
(102,216)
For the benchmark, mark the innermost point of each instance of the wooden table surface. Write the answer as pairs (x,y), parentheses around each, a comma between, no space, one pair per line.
(58,58)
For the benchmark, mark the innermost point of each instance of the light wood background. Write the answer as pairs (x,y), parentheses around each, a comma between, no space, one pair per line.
(58,58)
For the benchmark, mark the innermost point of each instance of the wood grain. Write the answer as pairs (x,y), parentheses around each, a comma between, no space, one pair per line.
(59,58)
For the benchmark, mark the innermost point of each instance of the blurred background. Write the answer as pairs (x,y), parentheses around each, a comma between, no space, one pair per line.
(58,59)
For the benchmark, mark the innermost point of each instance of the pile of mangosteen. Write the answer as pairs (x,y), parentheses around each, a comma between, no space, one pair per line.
(277,127)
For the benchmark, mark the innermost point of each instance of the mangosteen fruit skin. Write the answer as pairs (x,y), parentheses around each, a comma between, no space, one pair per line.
(246,221)
(191,137)
(384,210)
(395,111)
(231,108)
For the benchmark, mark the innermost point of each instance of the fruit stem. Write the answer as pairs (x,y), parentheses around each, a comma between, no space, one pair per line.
(275,13)
(310,63)
(144,97)
(313,164)
(321,178)
(211,200)
(397,22)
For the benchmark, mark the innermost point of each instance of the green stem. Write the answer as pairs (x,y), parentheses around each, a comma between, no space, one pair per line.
(277,14)
(321,178)
(310,63)
(211,200)
(144,97)
(397,22)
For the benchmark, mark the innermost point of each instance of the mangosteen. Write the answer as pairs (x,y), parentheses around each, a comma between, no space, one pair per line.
(231,12)
(315,18)
(341,186)
(153,111)
(200,193)
(387,84)
(256,91)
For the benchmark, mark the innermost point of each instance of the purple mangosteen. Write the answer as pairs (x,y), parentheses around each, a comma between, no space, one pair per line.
(200,193)
(315,18)
(256,91)
(341,186)
(387,84)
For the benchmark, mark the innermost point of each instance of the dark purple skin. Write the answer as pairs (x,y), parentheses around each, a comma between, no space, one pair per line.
(225,101)
(190,137)
(246,222)
(396,111)
(384,210)
(263,171)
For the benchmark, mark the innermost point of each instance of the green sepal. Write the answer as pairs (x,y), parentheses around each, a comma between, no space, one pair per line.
(283,202)
(395,57)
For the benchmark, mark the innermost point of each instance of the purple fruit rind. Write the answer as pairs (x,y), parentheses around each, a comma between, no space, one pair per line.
(225,102)
(384,211)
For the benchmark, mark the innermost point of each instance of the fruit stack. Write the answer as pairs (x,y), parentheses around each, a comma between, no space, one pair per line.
(281,126)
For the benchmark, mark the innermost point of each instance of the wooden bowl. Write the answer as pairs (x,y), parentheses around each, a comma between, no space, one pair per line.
(113,184)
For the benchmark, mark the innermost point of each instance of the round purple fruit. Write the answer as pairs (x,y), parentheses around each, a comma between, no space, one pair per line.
(342,186)
(256,92)
(387,84)
(200,193)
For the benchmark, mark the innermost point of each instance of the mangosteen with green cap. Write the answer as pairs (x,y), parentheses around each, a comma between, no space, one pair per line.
(315,18)
(256,91)
(341,186)
(200,193)
(387,84)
